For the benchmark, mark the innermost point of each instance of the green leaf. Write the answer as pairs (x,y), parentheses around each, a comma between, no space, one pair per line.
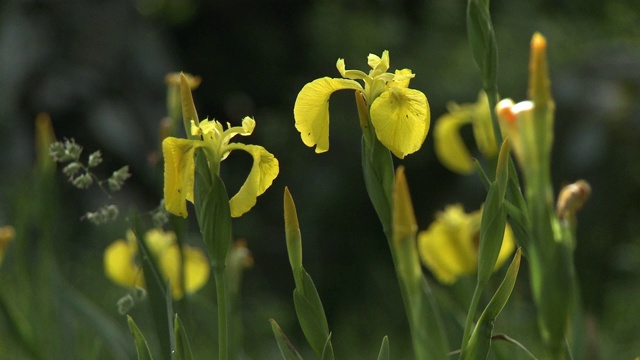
(212,210)
(482,40)
(327,352)
(141,343)
(293,236)
(311,314)
(156,291)
(384,349)
(287,349)
(183,348)
(377,168)
(480,341)
(492,225)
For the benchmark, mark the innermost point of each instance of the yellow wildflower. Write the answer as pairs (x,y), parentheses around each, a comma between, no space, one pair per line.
(400,116)
(449,247)
(122,267)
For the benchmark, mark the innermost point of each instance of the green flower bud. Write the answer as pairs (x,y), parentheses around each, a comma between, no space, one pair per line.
(95,159)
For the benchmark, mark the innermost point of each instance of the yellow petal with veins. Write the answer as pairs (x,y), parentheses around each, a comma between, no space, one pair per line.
(311,110)
(401,117)
(179,168)
(264,170)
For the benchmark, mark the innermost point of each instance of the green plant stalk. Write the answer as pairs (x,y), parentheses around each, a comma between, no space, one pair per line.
(221,295)
(428,338)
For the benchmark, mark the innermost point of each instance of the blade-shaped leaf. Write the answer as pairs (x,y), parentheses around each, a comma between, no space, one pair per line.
(286,348)
(327,352)
(212,210)
(311,314)
(183,348)
(141,343)
(384,349)
(480,341)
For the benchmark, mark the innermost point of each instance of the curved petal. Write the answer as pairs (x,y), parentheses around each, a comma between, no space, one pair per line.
(311,110)
(120,266)
(449,146)
(264,170)
(195,272)
(179,168)
(349,74)
(379,65)
(401,119)
(401,78)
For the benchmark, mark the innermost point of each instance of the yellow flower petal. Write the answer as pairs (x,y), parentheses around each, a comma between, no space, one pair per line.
(449,247)
(158,240)
(379,65)
(401,119)
(264,170)
(179,168)
(120,265)
(401,78)
(449,146)
(311,110)
(507,249)
(196,269)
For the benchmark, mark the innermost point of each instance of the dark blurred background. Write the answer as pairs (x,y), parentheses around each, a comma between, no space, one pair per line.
(98,67)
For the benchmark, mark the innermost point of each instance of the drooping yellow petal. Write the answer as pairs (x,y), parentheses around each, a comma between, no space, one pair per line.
(264,170)
(449,146)
(179,167)
(120,265)
(401,117)
(195,271)
(311,110)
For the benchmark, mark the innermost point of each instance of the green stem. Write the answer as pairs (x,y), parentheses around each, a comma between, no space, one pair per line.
(221,294)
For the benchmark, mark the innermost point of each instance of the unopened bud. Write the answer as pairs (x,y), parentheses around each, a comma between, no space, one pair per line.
(572,198)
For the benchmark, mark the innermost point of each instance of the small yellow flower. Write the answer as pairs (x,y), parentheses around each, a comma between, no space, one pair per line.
(449,146)
(122,267)
(179,169)
(7,233)
(400,116)
(449,247)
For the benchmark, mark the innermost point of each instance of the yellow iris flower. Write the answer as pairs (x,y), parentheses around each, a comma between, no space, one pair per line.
(400,116)
(449,247)
(449,146)
(121,267)
(179,170)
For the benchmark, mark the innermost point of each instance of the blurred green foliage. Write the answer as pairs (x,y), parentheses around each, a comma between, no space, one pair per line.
(98,69)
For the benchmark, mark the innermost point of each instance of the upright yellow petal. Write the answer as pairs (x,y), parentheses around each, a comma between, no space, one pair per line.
(264,170)
(401,117)
(401,78)
(195,271)
(179,168)
(120,265)
(158,240)
(311,110)
(449,146)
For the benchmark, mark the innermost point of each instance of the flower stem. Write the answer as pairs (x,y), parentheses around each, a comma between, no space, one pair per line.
(221,294)
(471,314)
